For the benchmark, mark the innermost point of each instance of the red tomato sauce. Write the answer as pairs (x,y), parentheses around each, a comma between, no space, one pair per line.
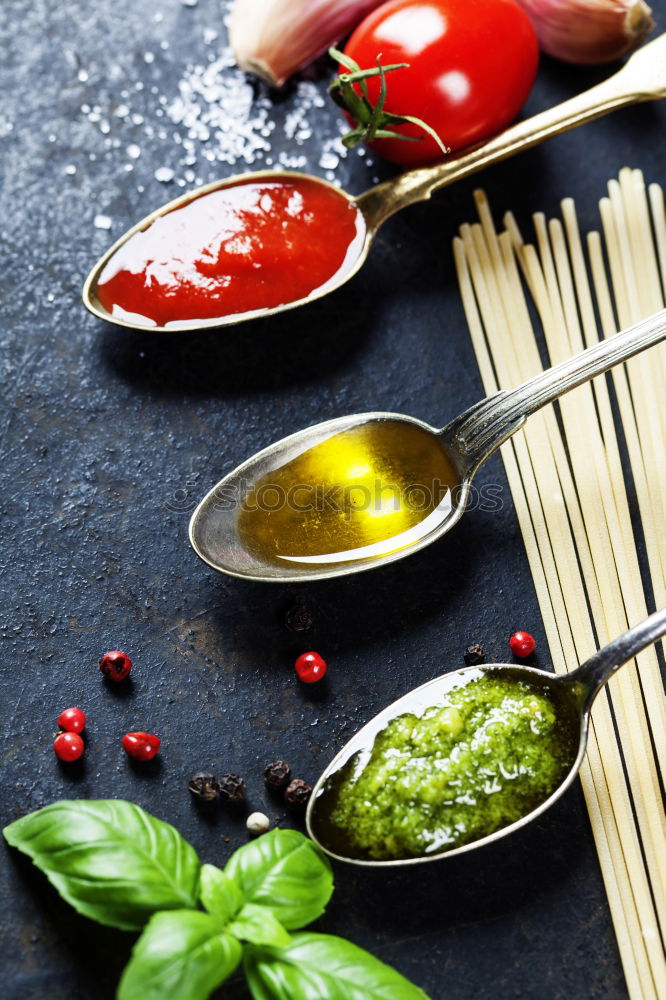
(252,246)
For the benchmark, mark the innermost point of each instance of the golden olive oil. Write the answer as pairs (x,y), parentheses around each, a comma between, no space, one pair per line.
(364,492)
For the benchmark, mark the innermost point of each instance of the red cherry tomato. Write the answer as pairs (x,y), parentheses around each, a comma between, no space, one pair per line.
(472,64)
(141,746)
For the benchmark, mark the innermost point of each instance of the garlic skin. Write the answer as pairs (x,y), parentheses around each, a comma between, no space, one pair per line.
(275,38)
(589,31)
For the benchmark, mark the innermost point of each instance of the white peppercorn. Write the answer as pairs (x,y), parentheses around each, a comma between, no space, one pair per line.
(257,823)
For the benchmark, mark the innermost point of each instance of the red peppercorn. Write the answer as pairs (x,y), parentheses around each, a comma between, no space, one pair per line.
(522,644)
(115,665)
(72,720)
(310,667)
(68,746)
(141,746)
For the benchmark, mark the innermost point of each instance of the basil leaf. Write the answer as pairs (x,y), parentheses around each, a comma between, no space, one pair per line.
(320,965)
(109,859)
(258,925)
(283,871)
(181,954)
(219,894)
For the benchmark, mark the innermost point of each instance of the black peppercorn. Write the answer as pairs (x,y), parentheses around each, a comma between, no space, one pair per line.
(232,789)
(474,654)
(277,774)
(204,786)
(299,618)
(297,793)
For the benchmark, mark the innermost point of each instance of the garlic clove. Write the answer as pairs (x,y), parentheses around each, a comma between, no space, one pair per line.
(589,31)
(273,39)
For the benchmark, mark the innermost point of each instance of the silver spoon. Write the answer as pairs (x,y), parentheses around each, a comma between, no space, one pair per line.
(642,78)
(572,694)
(464,444)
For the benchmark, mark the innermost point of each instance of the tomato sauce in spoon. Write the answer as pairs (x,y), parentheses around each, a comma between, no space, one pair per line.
(250,247)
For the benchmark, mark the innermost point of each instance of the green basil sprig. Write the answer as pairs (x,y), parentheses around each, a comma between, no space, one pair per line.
(285,873)
(258,925)
(181,953)
(109,859)
(219,894)
(123,867)
(321,965)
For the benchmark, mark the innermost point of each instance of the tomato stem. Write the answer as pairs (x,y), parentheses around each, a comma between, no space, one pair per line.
(372,122)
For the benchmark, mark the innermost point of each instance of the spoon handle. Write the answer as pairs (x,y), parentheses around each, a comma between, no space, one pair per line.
(642,78)
(595,672)
(485,426)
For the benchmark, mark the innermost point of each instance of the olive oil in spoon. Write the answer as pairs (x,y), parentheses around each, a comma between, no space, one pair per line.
(363,490)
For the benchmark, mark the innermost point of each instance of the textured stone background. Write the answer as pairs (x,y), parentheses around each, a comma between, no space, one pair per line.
(108,437)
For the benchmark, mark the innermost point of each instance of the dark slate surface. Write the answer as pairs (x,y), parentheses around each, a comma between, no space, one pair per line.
(108,437)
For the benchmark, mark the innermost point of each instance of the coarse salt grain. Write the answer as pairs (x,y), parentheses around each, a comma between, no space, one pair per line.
(164,175)
(103,222)
(216,114)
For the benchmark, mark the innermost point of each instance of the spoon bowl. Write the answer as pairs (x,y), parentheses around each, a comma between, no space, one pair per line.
(364,490)
(117,255)
(214,526)
(572,696)
(642,78)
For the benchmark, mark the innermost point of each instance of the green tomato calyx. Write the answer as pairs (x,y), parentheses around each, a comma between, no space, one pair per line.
(372,121)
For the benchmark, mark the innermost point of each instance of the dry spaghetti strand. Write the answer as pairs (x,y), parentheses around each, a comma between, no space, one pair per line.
(569,488)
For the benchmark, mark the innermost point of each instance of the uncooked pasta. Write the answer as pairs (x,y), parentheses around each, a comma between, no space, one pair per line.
(570,486)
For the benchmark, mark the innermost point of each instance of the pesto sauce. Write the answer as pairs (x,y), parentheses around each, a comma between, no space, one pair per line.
(492,751)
